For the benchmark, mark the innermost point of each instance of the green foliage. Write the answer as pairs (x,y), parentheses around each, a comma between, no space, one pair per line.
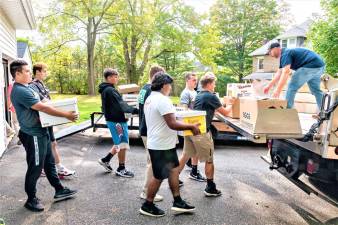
(324,36)
(243,26)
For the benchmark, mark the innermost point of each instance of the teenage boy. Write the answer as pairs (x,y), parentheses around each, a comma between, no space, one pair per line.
(143,95)
(35,138)
(161,143)
(40,74)
(202,145)
(115,110)
(187,99)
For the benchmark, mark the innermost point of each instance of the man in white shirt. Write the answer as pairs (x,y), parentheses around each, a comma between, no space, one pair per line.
(161,143)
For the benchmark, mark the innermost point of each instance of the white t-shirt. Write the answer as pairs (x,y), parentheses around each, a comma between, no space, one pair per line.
(159,135)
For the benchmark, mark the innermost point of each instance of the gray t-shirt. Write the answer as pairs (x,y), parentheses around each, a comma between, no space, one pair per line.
(23,98)
(188,97)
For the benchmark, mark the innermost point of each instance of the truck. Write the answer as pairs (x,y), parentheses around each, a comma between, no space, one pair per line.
(309,160)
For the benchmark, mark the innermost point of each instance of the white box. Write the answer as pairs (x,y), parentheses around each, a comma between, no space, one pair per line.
(239,90)
(69,104)
(192,117)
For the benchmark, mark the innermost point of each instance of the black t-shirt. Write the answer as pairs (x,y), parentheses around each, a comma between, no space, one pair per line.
(143,95)
(207,101)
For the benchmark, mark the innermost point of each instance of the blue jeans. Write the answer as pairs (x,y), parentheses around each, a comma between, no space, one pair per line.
(303,75)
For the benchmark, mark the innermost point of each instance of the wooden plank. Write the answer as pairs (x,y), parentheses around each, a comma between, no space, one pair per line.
(221,126)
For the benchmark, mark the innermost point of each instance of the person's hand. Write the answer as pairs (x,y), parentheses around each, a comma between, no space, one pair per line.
(72,116)
(266,89)
(195,129)
(276,94)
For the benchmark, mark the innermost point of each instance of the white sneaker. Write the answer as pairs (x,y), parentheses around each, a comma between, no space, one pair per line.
(64,173)
(157,198)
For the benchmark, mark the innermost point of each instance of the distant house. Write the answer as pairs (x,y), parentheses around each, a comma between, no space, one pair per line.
(24,52)
(14,14)
(264,66)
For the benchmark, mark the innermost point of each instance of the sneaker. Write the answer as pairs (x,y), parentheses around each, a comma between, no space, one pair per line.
(180,183)
(63,194)
(124,173)
(197,177)
(65,173)
(34,205)
(182,206)
(105,165)
(211,191)
(157,198)
(151,210)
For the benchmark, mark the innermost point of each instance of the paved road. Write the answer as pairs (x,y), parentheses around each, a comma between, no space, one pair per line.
(251,193)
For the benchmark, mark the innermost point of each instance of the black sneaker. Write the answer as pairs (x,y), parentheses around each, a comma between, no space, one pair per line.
(182,207)
(105,165)
(124,173)
(180,183)
(211,191)
(151,210)
(34,205)
(197,177)
(63,194)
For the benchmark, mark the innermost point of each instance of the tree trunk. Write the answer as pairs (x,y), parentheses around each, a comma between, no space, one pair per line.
(90,57)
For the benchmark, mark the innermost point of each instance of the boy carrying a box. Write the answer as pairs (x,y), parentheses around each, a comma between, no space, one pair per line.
(144,94)
(187,99)
(40,74)
(202,145)
(162,129)
(114,109)
(35,138)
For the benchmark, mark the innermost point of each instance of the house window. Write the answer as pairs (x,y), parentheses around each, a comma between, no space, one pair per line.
(260,64)
(284,43)
(292,43)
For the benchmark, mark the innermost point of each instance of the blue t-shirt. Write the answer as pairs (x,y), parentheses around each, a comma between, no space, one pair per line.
(23,98)
(300,57)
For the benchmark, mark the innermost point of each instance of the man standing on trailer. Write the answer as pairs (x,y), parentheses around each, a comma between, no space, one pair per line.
(308,67)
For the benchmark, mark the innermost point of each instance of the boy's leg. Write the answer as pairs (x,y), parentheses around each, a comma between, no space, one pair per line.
(314,84)
(298,79)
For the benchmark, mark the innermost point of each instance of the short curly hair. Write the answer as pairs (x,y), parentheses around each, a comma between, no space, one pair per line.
(159,80)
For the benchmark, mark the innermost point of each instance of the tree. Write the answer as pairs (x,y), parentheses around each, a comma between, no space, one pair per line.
(243,26)
(148,29)
(64,24)
(324,36)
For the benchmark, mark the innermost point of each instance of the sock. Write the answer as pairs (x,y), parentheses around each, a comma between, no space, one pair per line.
(194,169)
(210,182)
(177,198)
(59,166)
(108,157)
(121,167)
(148,203)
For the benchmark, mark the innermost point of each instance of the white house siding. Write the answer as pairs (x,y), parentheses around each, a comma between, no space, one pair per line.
(8,51)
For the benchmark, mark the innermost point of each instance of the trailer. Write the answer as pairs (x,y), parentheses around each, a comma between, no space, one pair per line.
(309,160)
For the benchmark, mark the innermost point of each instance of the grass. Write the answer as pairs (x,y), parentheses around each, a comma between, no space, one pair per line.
(88,104)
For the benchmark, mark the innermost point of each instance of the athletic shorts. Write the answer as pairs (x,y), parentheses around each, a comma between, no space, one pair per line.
(201,146)
(119,133)
(162,162)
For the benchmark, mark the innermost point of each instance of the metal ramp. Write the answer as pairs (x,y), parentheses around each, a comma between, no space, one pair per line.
(74,129)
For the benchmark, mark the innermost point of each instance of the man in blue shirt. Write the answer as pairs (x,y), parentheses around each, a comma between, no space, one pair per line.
(34,137)
(308,67)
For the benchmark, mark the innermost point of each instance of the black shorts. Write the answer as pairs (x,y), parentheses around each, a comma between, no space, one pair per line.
(163,161)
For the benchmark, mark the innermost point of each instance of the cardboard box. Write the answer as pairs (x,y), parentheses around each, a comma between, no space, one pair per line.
(333,139)
(239,90)
(235,112)
(192,117)
(269,116)
(69,104)
(128,88)
(221,126)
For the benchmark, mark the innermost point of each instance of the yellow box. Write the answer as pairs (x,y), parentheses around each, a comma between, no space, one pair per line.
(192,117)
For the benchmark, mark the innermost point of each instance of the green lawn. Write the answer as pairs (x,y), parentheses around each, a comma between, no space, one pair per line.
(88,104)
